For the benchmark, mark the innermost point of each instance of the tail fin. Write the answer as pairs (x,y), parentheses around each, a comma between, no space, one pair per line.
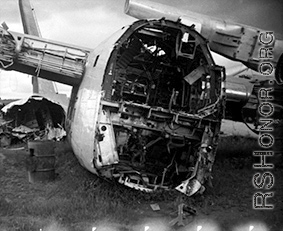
(30,25)
(43,87)
(29,21)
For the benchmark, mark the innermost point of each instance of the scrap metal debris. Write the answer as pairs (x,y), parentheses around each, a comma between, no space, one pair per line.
(5,138)
(22,131)
(34,118)
(183,212)
(155,207)
(55,133)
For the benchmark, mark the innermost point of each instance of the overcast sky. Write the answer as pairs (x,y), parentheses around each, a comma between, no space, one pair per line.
(89,22)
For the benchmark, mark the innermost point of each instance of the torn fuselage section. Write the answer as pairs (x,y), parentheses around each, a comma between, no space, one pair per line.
(161,109)
(35,118)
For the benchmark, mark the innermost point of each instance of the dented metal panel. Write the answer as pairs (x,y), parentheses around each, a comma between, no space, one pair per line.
(247,44)
(106,141)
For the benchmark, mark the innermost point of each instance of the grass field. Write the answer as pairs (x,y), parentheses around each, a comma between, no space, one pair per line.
(77,200)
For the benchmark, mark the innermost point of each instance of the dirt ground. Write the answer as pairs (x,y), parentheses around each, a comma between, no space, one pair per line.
(78,200)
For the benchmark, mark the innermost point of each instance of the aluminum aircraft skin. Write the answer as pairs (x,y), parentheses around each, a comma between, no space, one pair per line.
(147,104)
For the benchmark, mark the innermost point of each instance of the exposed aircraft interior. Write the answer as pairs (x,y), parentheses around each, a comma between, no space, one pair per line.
(162,94)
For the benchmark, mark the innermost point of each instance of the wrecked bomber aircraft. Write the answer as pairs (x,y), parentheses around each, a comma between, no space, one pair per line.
(146,105)
(154,122)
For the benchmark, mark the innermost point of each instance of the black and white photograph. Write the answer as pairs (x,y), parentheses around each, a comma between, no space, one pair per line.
(141,115)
